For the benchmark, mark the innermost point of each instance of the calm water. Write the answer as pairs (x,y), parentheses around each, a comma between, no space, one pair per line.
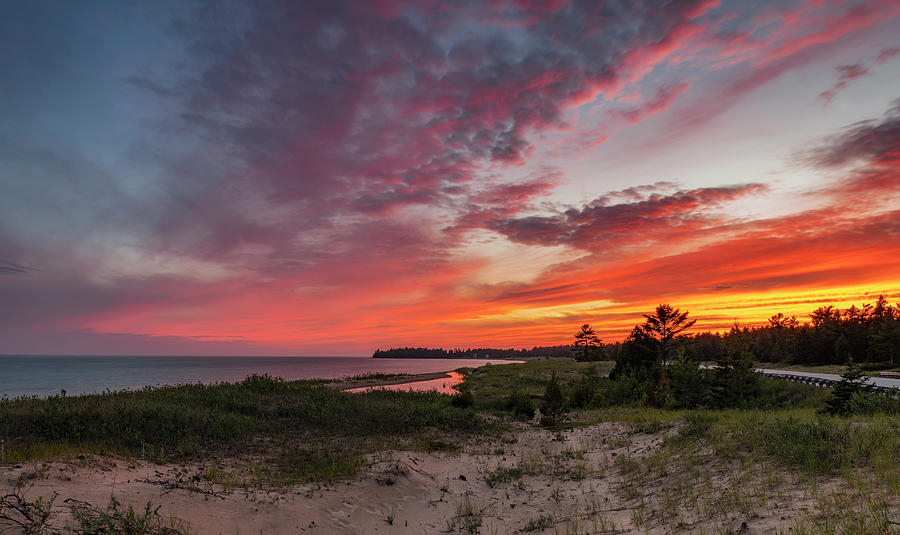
(47,375)
(444,385)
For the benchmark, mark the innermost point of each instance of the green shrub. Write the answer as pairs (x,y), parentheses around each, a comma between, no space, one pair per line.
(521,405)
(873,403)
(553,409)
(463,400)
(820,447)
(582,394)
(502,474)
(853,382)
(698,424)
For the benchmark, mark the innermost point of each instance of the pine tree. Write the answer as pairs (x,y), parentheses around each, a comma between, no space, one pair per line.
(554,403)
(665,326)
(853,380)
(586,342)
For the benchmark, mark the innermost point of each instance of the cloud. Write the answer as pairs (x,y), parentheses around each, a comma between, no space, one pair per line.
(302,167)
(11,268)
(876,142)
(779,40)
(663,98)
(845,73)
(887,53)
(605,224)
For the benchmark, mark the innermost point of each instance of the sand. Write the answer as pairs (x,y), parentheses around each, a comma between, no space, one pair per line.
(571,483)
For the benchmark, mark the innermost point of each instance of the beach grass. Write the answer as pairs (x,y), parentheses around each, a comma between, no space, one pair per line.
(491,386)
(712,467)
(302,430)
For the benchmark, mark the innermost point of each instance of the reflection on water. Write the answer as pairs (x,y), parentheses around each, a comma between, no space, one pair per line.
(444,385)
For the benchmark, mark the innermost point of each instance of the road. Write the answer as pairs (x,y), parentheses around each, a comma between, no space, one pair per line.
(875,381)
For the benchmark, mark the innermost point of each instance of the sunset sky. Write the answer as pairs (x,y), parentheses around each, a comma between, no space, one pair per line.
(328,178)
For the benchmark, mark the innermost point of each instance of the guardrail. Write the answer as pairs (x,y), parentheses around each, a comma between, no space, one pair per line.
(821,381)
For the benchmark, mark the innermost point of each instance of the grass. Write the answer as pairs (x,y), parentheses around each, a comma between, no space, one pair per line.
(303,430)
(492,385)
(539,524)
(38,516)
(705,467)
(502,474)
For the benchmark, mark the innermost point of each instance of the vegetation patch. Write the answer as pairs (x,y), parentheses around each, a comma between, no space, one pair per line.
(308,430)
(502,474)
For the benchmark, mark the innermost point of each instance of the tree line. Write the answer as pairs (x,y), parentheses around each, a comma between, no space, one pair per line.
(869,334)
(476,353)
(659,365)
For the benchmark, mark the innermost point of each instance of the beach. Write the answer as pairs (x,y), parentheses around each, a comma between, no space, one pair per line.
(552,484)
(310,457)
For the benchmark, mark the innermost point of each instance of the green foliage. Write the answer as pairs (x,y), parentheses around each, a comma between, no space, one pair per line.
(625,391)
(521,405)
(658,392)
(638,357)
(30,517)
(853,382)
(501,475)
(553,410)
(869,403)
(690,386)
(582,394)
(116,520)
(318,465)
(828,445)
(495,386)
(698,424)
(539,524)
(735,382)
(463,400)
(178,422)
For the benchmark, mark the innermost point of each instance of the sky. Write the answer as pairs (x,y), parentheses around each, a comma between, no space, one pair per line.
(327,178)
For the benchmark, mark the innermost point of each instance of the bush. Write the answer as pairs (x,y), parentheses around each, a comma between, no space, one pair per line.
(582,394)
(853,382)
(553,410)
(873,403)
(659,392)
(463,400)
(626,390)
(698,424)
(690,386)
(521,405)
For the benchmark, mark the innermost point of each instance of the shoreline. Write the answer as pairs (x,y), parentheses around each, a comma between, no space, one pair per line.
(43,378)
(345,385)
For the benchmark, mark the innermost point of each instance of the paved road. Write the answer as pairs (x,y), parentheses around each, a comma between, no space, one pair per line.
(877,381)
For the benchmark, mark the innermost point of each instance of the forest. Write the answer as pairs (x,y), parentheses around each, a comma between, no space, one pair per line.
(869,334)
(478,353)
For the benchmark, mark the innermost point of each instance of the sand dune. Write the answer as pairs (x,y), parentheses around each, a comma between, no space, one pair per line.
(569,483)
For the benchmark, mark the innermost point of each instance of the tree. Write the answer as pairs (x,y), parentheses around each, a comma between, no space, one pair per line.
(664,327)
(586,342)
(554,403)
(637,358)
(780,321)
(853,380)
